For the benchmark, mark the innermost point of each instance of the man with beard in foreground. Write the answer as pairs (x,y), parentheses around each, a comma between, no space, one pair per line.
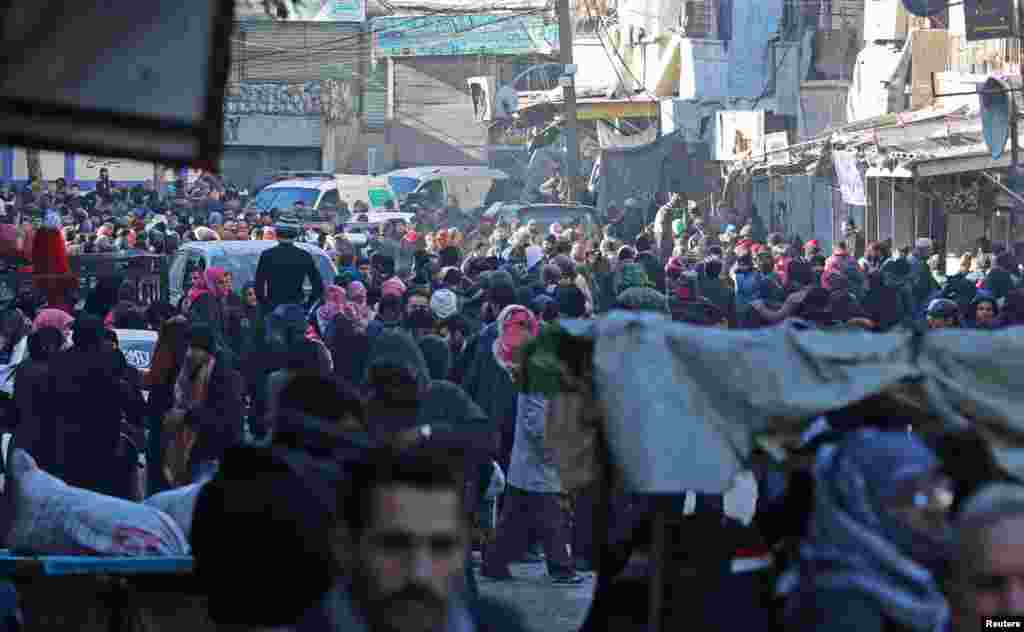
(401,544)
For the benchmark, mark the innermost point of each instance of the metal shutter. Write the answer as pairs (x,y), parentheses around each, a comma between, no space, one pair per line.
(297,52)
(375,97)
(250,166)
(433,117)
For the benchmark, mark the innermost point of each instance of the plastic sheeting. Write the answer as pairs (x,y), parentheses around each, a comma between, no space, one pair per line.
(754,25)
(879,81)
(667,164)
(684,404)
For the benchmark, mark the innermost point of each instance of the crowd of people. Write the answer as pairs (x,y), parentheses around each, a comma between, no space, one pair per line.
(317,421)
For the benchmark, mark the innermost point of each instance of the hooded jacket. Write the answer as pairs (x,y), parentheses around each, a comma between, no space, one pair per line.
(442,405)
(491,387)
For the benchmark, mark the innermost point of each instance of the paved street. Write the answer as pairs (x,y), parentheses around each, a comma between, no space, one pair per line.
(546,608)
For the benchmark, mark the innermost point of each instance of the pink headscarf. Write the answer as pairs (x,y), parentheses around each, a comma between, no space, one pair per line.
(8,240)
(334,300)
(392,287)
(357,298)
(516,326)
(56,318)
(357,292)
(208,283)
(214,276)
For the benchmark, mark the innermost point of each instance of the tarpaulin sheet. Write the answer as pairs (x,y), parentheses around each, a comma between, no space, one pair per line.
(664,165)
(684,404)
(754,26)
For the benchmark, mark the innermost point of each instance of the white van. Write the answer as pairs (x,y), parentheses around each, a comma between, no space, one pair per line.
(473,187)
(374,190)
(325,192)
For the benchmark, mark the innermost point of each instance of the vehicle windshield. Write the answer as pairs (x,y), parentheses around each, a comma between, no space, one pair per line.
(242,267)
(285,198)
(403,185)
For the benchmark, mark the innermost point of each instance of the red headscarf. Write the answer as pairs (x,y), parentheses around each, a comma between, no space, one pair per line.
(516,326)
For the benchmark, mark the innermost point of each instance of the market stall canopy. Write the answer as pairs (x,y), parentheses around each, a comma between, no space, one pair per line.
(684,406)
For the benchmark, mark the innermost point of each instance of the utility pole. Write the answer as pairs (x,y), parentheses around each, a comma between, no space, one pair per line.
(572,143)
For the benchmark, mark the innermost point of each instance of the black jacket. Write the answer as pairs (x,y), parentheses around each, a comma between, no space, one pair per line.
(280,274)
(77,434)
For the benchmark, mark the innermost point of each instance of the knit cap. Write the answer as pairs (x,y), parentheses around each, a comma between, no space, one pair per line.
(444,304)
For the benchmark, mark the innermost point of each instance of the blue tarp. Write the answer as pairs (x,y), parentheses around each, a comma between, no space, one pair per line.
(62,565)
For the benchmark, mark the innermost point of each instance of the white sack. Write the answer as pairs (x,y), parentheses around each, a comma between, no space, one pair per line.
(179,504)
(53,518)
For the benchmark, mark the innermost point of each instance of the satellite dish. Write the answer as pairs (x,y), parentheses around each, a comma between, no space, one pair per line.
(995,115)
(924,8)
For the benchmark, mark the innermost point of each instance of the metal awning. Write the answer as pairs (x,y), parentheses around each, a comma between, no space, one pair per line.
(976,157)
(603,109)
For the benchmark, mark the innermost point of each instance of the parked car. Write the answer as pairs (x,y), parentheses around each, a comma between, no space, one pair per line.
(322,194)
(544,214)
(314,192)
(237,257)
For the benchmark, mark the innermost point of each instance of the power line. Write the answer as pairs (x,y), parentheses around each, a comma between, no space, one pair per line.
(304,56)
(330,45)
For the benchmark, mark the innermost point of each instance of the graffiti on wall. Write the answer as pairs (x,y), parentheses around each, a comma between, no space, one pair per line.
(274,99)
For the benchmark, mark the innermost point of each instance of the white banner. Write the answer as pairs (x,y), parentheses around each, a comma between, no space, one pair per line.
(850,181)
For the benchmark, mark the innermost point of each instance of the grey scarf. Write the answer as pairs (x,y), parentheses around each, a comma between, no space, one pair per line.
(847,547)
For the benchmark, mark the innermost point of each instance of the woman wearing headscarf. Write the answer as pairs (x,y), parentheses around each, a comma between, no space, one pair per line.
(532,502)
(877,538)
(31,375)
(14,330)
(207,301)
(334,299)
(245,323)
(168,358)
(349,345)
(57,319)
(357,297)
(78,429)
(207,415)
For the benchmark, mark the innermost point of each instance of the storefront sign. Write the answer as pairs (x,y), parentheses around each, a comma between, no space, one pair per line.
(87,168)
(328,11)
(463,35)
